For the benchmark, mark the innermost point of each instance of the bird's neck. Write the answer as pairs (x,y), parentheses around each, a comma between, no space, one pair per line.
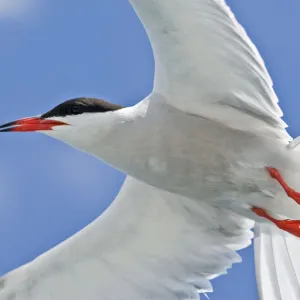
(117,147)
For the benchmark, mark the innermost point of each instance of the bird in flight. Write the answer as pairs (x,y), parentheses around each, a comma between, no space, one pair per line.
(207,156)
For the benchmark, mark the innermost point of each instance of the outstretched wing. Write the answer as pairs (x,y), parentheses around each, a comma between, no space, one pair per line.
(207,65)
(149,244)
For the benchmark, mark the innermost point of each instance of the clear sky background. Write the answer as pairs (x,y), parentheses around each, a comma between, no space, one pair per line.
(53,50)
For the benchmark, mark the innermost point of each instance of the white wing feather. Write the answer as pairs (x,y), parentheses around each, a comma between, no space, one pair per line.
(207,65)
(149,244)
(277,264)
(154,245)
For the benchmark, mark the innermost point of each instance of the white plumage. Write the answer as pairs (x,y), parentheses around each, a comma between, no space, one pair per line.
(195,152)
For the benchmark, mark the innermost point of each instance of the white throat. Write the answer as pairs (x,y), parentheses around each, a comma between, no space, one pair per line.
(100,134)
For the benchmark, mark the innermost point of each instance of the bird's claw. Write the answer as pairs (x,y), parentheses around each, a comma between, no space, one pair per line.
(274,173)
(291,226)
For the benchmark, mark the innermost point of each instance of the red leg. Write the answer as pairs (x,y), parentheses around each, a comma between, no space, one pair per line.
(291,226)
(274,173)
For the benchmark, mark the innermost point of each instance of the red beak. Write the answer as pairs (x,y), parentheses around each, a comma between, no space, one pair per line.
(30,124)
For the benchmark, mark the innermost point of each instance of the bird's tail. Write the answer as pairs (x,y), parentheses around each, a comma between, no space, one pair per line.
(277,262)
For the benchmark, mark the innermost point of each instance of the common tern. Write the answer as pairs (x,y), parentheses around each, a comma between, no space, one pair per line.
(206,155)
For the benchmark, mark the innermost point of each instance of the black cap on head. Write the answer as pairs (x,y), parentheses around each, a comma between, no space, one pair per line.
(79,106)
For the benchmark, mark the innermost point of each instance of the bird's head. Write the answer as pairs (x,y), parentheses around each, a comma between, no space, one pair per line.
(78,121)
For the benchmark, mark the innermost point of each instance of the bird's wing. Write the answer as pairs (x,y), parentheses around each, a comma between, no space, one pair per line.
(149,244)
(277,264)
(205,64)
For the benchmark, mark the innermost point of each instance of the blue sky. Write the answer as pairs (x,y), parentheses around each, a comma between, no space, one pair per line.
(55,50)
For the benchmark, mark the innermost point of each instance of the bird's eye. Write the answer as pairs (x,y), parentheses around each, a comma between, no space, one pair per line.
(76,109)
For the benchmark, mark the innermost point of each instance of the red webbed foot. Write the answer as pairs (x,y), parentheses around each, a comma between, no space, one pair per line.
(291,226)
(274,173)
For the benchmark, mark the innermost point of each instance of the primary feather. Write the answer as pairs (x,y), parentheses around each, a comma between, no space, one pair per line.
(150,244)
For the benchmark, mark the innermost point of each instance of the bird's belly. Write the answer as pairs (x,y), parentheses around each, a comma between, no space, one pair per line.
(184,175)
(206,164)
(194,157)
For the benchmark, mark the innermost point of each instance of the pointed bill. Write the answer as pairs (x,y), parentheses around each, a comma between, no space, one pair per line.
(30,124)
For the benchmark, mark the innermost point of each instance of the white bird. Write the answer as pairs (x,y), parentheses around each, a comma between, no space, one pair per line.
(205,152)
